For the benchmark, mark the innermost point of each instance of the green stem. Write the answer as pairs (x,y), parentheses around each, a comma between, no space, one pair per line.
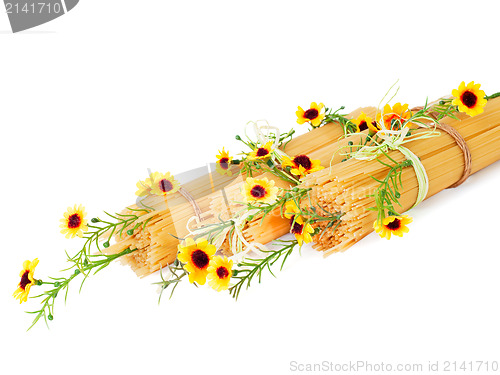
(175,281)
(81,259)
(493,96)
(387,193)
(256,266)
(284,176)
(40,282)
(60,284)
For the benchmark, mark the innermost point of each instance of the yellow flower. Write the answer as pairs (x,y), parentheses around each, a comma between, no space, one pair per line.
(144,188)
(312,115)
(362,122)
(224,163)
(74,223)
(470,99)
(219,273)
(196,256)
(374,126)
(27,280)
(261,152)
(163,183)
(392,225)
(394,117)
(301,230)
(260,190)
(298,227)
(301,165)
(291,209)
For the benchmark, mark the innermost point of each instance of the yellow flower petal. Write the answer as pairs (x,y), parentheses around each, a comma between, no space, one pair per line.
(469,98)
(259,190)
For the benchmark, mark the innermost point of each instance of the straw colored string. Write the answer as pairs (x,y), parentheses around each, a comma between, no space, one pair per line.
(461,143)
(193,203)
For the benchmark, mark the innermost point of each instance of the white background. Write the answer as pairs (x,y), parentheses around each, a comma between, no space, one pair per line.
(89,101)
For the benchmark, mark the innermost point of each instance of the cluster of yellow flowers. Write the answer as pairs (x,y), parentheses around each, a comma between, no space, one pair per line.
(158,184)
(469,99)
(263,191)
(72,224)
(201,263)
(299,227)
(300,165)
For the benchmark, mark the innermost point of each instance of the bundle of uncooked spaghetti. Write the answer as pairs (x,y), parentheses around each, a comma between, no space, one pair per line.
(273,225)
(206,198)
(343,187)
(346,187)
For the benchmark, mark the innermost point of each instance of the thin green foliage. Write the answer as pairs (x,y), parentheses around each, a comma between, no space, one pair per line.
(387,194)
(99,228)
(178,273)
(259,166)
(94,263)
(250,268)
(335,116)
(444,108)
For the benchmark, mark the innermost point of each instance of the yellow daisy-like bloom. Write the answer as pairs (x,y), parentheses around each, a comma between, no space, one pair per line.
(224,163)
(196,256)
(291,209)
(394,117)
(261,152)
(27,280)
(312,115)
(301,165)
(163,183)
(392,225)
(144,188)
(362,122)
(219,273)
(374,126)
(74,223)
(260,190)
(301,230)
(469,98)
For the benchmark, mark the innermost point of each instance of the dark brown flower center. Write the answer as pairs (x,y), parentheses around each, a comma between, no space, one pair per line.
(374,123)
(166,185)
(224,163)
(262,152)
(74,221)
(362,126)
(25,280)
(469,99)
(311,114)
(394,225)
(200,259)
(258,191)
(222,272)
(303,160)
(296,227)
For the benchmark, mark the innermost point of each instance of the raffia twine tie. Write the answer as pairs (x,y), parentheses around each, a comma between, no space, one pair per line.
(190,199)
(461,143)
